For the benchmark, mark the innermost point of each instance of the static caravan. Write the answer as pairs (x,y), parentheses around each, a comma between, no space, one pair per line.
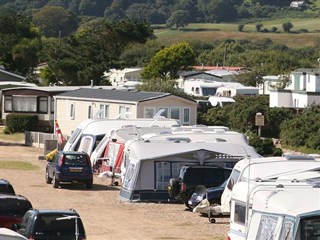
(150,164)
(276,210)
(91,131)
(201,88)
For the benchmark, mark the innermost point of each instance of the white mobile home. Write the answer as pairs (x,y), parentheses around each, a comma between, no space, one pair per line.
(150,164)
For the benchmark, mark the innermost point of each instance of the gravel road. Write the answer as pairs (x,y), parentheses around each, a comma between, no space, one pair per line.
(103,214)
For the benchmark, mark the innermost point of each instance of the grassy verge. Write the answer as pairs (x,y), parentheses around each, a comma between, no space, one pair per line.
(16,137)
(17,165)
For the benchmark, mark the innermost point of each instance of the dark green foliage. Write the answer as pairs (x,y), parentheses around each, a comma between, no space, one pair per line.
(21,122)
(240,27)
(303,129)
(287,26)
(264,146)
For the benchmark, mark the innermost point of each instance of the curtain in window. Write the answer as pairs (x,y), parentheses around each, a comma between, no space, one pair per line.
(24,104)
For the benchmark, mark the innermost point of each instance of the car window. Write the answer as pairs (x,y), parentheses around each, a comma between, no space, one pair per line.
(6,188)
(75,159)
(12,206)
(53,225)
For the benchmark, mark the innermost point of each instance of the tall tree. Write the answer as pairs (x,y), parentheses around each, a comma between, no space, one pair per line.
(55,21)
(166,63)
(179,18)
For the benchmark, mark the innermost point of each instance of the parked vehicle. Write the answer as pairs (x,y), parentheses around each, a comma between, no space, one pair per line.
(196,178)
(211,194)
(8,234)
(6,187)
(52,225)
(69,166)
(12,209)
(217,101)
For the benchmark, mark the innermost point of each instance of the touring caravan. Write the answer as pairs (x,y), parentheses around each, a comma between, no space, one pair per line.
(261,169)
(281,209)
(91,131)
(152,162)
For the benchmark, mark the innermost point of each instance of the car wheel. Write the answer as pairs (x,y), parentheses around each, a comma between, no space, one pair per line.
(55,182)
(48,179)
(189,206)
(89,184)
(173,187)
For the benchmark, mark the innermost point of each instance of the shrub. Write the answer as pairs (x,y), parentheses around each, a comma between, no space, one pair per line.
(6,130)
(240,27)
(259,26)
(21,122)
(274,29)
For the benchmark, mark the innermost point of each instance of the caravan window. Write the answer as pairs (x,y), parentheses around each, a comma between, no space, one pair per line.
(233,179)
(287,233)
(75,135)
(310,228)
(267,227)
(239,213)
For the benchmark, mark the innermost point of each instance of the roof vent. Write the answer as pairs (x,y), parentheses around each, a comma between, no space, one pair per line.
(299,157)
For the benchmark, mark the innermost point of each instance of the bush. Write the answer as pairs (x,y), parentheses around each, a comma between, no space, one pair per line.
(6,130)
(274,29)
(21,122)
(240,27)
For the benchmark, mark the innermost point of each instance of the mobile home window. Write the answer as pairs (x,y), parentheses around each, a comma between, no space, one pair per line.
(149,112)
(43,104)
(186,115)
(24,104)
(52,105)
(175,113)
(8,103)
(104,111)
(124,112)
(165,112)
(71,111)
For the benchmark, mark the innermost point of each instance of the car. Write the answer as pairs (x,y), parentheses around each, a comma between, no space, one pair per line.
(12,209)
(196,177)
(6,187)
(69,166)
(212,194)
(52,224)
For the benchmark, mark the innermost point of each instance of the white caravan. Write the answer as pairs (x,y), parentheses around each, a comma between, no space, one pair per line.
(91,131)
(260,169)
(217,101)
(149,164)
(201,87)
(284,209)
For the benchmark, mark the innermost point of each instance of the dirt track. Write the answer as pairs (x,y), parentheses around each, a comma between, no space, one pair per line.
(103,214)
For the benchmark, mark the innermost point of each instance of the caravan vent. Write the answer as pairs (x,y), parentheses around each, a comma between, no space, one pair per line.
(219,130)
(178,139)
(299,157)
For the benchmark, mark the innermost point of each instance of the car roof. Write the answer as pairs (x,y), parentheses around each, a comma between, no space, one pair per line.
(4,181)
(54,211)
(15,196)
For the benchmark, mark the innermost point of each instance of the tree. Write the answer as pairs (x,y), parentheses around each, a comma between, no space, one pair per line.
(259,27)
(167,62)
(55,21)
(179,18)
(287,26)
(240,27)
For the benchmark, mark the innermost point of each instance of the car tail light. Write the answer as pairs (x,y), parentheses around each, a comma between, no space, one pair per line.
(183,187)
(61,161)
(228,238)
(31,237)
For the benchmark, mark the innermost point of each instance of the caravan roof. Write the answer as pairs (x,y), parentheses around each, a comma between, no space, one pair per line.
(144,150)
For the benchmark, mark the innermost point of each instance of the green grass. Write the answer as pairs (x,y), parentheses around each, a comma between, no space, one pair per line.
(17,165)
(16,137)
(211,32)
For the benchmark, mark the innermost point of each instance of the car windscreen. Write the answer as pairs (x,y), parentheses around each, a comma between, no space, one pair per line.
(12,206)
(75,160)
(55,225)
(206,176)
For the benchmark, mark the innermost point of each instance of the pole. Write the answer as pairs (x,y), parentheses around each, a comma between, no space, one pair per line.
(259,131)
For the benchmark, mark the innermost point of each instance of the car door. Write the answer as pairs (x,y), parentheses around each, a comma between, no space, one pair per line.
(51,165)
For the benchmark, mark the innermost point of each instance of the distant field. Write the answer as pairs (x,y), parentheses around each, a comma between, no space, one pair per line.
(211,32)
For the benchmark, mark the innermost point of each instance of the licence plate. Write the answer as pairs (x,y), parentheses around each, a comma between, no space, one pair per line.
(75,169)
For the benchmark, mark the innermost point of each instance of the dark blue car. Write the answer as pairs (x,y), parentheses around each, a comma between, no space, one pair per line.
(212,194)
(69,166)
